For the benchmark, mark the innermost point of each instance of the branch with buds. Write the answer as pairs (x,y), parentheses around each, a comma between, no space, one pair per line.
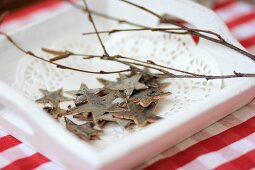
(133,64)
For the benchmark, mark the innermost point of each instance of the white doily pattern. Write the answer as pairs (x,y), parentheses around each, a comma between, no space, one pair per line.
(173,51)
(170,50)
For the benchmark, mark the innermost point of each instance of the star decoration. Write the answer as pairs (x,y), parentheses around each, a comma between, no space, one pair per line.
(84,131)
(148,78)
(110,118)
(80,99)
(79,95)
(83,116)
(97,105)
(147,96)
(140,115)
(75,93)
(56,112)
(126,84)
(150,81)
(129,100)
(54,97)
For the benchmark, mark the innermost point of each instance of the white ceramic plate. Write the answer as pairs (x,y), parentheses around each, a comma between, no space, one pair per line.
(24,119)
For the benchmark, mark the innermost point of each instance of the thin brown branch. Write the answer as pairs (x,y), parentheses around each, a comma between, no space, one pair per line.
(123,21)
(119,20)
(153,13)
(59,55)
(167,73)
(158,65)
(220,40)
(65,54)
(56,64)
(152,65)
(173,30)
(208,77)
(102,15)
(132,65)
(56,52)
(109,32)
(142,7)
(191,75)
(94,26)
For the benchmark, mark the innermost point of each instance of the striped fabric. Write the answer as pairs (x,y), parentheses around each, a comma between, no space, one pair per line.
(227,144)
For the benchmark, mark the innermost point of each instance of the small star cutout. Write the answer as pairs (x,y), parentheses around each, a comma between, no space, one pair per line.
(126,84)
(56,112)
(140,115)
(147,96)
(80,96)
(84,131)
(109,117)
(54,97)
(83,116)
(98,105)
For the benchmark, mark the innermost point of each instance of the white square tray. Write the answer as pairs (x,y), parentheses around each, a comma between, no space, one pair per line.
(25,120)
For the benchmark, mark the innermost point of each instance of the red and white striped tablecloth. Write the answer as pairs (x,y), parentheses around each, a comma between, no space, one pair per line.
(227,144)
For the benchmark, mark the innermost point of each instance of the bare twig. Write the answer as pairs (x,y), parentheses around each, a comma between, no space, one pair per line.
(191,31)
(94,26)
(219,40)
(55,52)
(158,65)
(238,75)
(143,8)
(173,30)
(99,14)
(115,58)
(152,65)
(58,55)
(168,74)
(56,64)
(190,75)
(119,20)
(132,65)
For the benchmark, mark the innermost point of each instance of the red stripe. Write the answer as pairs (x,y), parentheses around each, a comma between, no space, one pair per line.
(209,145)
(223,4)
(246,161)
(31,9)
(7,142)
(241,20)
(27,163)
(248,42)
